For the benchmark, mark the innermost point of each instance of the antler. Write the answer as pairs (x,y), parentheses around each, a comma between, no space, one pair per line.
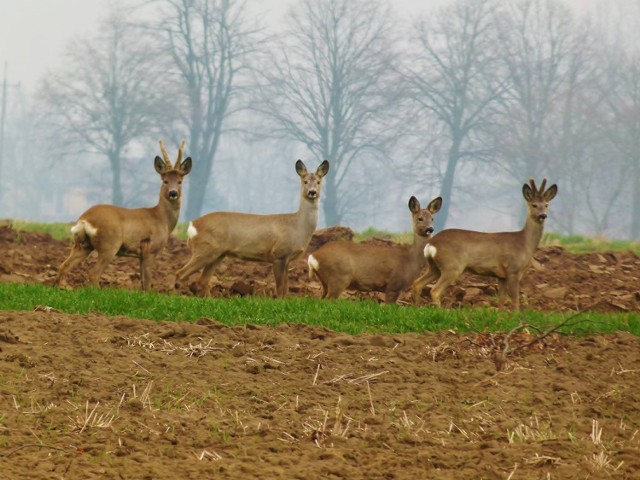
(180,154)
(165,155)
(532,184)
(542,187)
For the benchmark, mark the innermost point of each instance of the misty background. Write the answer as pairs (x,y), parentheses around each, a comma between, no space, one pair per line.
(461,98)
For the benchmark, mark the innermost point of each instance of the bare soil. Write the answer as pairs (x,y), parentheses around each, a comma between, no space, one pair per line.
(94,397)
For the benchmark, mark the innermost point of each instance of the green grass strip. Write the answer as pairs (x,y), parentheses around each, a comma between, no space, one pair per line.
(347,316)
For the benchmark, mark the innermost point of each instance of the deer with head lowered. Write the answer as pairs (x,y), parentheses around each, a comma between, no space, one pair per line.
(135,232)
(277,239)
(504,255)
(343,265)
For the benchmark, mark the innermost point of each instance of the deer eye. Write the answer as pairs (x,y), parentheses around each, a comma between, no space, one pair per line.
(179,182)
(166,182)
(534,205)
(306,182)
(420,219)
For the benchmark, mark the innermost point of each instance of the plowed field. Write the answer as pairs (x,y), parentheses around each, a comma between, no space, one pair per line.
(93,397)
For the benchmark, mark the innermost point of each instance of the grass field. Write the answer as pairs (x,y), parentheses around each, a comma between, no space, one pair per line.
(341,315)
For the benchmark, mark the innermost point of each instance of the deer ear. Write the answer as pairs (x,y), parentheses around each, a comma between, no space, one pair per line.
(301,169)
(185,167)
(159,165)
(551,192)
(414,205)
(435,205)
(527,192)
(323,169)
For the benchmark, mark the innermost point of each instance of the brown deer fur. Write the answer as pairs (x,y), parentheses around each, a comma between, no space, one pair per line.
(504,255)
(138,232)
(344,265)
(275,239)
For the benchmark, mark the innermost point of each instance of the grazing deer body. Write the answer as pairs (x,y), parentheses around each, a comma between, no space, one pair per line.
(390,269)
(276,239)
(504,255)
(136,232)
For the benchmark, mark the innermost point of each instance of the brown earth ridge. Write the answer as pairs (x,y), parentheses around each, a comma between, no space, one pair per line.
(556,281)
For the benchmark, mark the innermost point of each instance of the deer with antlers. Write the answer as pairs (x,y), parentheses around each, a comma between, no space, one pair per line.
(135,232)
(504,255)
(390,269)
(277,239)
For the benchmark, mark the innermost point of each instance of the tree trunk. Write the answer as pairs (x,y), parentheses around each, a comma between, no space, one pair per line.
(447,186)
(198,181)
(116,185)
(331,213)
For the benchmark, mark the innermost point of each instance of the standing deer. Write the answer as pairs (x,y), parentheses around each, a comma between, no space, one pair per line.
(390,269)
(276,239)
(504,255)
(131,232)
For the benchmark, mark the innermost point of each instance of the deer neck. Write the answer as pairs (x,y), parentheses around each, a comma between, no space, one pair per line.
(307,215)
(417,248)
(168,212)
(532,234)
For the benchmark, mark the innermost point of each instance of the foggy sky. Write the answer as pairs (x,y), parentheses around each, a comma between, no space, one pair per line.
(34,33)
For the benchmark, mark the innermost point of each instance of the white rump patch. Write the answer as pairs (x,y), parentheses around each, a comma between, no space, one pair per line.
(430,251)
(313,263)
(191,231)
(85,226)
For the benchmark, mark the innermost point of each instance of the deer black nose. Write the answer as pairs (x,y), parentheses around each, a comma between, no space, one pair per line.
(428,230)
(312,194)
(173,195)
(542,216)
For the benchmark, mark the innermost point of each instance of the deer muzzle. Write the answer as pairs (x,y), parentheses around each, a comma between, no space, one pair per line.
(173,195)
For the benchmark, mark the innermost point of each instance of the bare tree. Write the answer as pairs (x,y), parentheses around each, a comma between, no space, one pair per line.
(538,39)
(619,83)
(454,79)
(209,42)
(105,96)
(329,85)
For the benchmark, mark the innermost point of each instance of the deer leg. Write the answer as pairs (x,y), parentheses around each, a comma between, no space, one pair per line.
(446,279)
(146,260)
(418,285)
(325,290)
(195,263)
(391,296)
(105,255)
(205,277)
(392,292)
(280,273)
(502,291)
(513,289)
(78,253)
(335,287)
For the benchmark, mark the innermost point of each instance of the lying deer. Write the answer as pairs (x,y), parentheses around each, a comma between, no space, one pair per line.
(344,265)
(137,232)
(504,255)
(276,239)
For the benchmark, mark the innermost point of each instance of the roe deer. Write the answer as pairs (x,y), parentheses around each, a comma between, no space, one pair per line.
(504,255)
(390,269)
(134,232)
(275,239)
